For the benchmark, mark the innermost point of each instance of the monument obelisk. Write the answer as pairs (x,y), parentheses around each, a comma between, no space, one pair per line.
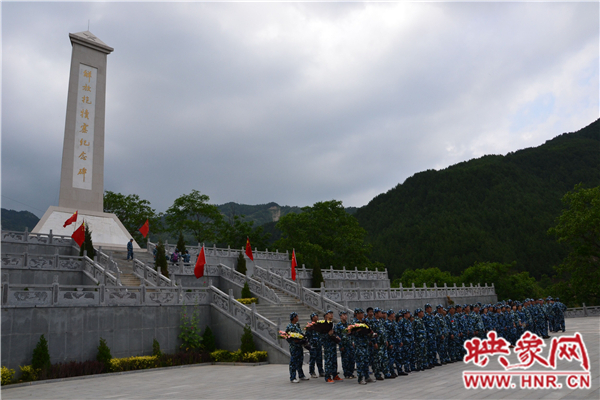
(82,173)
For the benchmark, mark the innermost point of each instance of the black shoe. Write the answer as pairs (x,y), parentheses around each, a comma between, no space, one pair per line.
(390,377)
(402,373)
(437,364)
(379,378)
(427,367)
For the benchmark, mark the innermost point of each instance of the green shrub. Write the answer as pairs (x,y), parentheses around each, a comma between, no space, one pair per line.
(241,264)
(190,332)
(248,301)
(156,348)
(246,294)
(181,244)
(87,243)
(41,355)
(255,357)
(132,363)
(7,375)
(238,356)
(103,352)
(208,340)
(221,356)
(28,373)
(160,261)
(248,345)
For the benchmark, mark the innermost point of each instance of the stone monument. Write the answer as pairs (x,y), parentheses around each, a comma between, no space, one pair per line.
(82,173)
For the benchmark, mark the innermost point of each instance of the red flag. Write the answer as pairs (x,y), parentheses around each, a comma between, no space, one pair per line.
(200,263)
(72,218)
(145,229)
(79,234)
(294,265)
(249,249)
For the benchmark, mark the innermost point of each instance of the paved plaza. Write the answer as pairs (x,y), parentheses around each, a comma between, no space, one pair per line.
(272,382)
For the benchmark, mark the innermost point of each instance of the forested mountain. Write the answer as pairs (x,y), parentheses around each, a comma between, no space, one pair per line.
(18,220)
(494,208)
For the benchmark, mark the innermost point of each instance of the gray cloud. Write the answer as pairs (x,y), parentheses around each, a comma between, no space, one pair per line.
(293,103)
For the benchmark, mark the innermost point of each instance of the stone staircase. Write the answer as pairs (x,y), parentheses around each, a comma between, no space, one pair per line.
(127,276)
(288,305)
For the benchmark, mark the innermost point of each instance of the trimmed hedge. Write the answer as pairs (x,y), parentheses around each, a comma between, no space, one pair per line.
(248,301)
(238,356)
(7,375)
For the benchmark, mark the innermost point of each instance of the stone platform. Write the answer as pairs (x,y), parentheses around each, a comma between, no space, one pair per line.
(272,382)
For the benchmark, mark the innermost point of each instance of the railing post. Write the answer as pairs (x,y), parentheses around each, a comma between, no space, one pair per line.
(102,289)
(321,296)
(143,293)
(253,318)
(585,314)
(5,289)
(230,301)
(50,237)
(26,235)
(55,290)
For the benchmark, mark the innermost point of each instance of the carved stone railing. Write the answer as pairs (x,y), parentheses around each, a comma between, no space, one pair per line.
(182,268)
(149,275)
(107,261)
(257,288)
(36,238)
(98,273)
(56,295)
(305,295)
(358,294)
(42,262)
(245,315)
(228,252)
(584,311)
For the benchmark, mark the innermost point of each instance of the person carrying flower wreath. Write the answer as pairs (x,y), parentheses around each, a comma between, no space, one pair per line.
(316,351)
(346,346)
(328,340)
(296,353)
(361,346)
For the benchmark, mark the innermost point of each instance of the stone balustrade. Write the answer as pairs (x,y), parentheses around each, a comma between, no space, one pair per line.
(99,274)
(149,275)
(106,260)
(36,238)
(584,311)
(343,294)
(228,252)
(245,315)
(41,262)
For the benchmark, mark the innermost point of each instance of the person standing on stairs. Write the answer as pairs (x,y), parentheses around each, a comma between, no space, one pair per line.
(130,249)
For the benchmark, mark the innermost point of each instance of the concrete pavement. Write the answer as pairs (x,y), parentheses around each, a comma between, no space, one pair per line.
(272,381)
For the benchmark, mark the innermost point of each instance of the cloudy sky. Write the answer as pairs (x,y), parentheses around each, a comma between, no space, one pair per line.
(293,102)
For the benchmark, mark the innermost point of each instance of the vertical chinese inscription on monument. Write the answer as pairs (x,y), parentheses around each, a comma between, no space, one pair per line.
(83,160)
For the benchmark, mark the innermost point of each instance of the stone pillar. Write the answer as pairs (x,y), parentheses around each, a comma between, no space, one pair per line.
(82,173)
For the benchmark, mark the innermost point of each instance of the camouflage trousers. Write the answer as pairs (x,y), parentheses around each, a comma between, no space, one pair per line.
(361,353)
(347,360)
(296,356)
(454,349)
(316,357)
(330,352)
(431,349)
(442,348)
(380,361)
(407,353)
(395,358)
(420,354)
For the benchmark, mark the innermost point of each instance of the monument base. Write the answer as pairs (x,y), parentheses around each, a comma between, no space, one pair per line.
(107,230)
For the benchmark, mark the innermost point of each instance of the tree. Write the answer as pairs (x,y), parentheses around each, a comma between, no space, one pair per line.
(192,213)
(317,275)
(247,340)
(578,227)
(103,354)
(235,231)
(427,276)
(41,355)
(132,212)
(88,246)
(181,243)
(246,293)
(161,259)
(241,264)
(326,233)
(208,340)
(508,282)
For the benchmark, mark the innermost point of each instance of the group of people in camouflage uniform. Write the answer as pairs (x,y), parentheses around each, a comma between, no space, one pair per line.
(402,342)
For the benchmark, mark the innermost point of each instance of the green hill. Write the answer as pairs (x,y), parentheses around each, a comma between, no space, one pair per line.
(494,208)
(18,220)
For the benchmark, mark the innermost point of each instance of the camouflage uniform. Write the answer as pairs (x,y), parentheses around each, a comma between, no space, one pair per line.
(330,352)
(408,345)
(361,351)
(420,334)
(391,330)
(346,349)
(380,358)
(560,318)
(296,352)
(453,336)
(432,334)
(316,352)
(442,337)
